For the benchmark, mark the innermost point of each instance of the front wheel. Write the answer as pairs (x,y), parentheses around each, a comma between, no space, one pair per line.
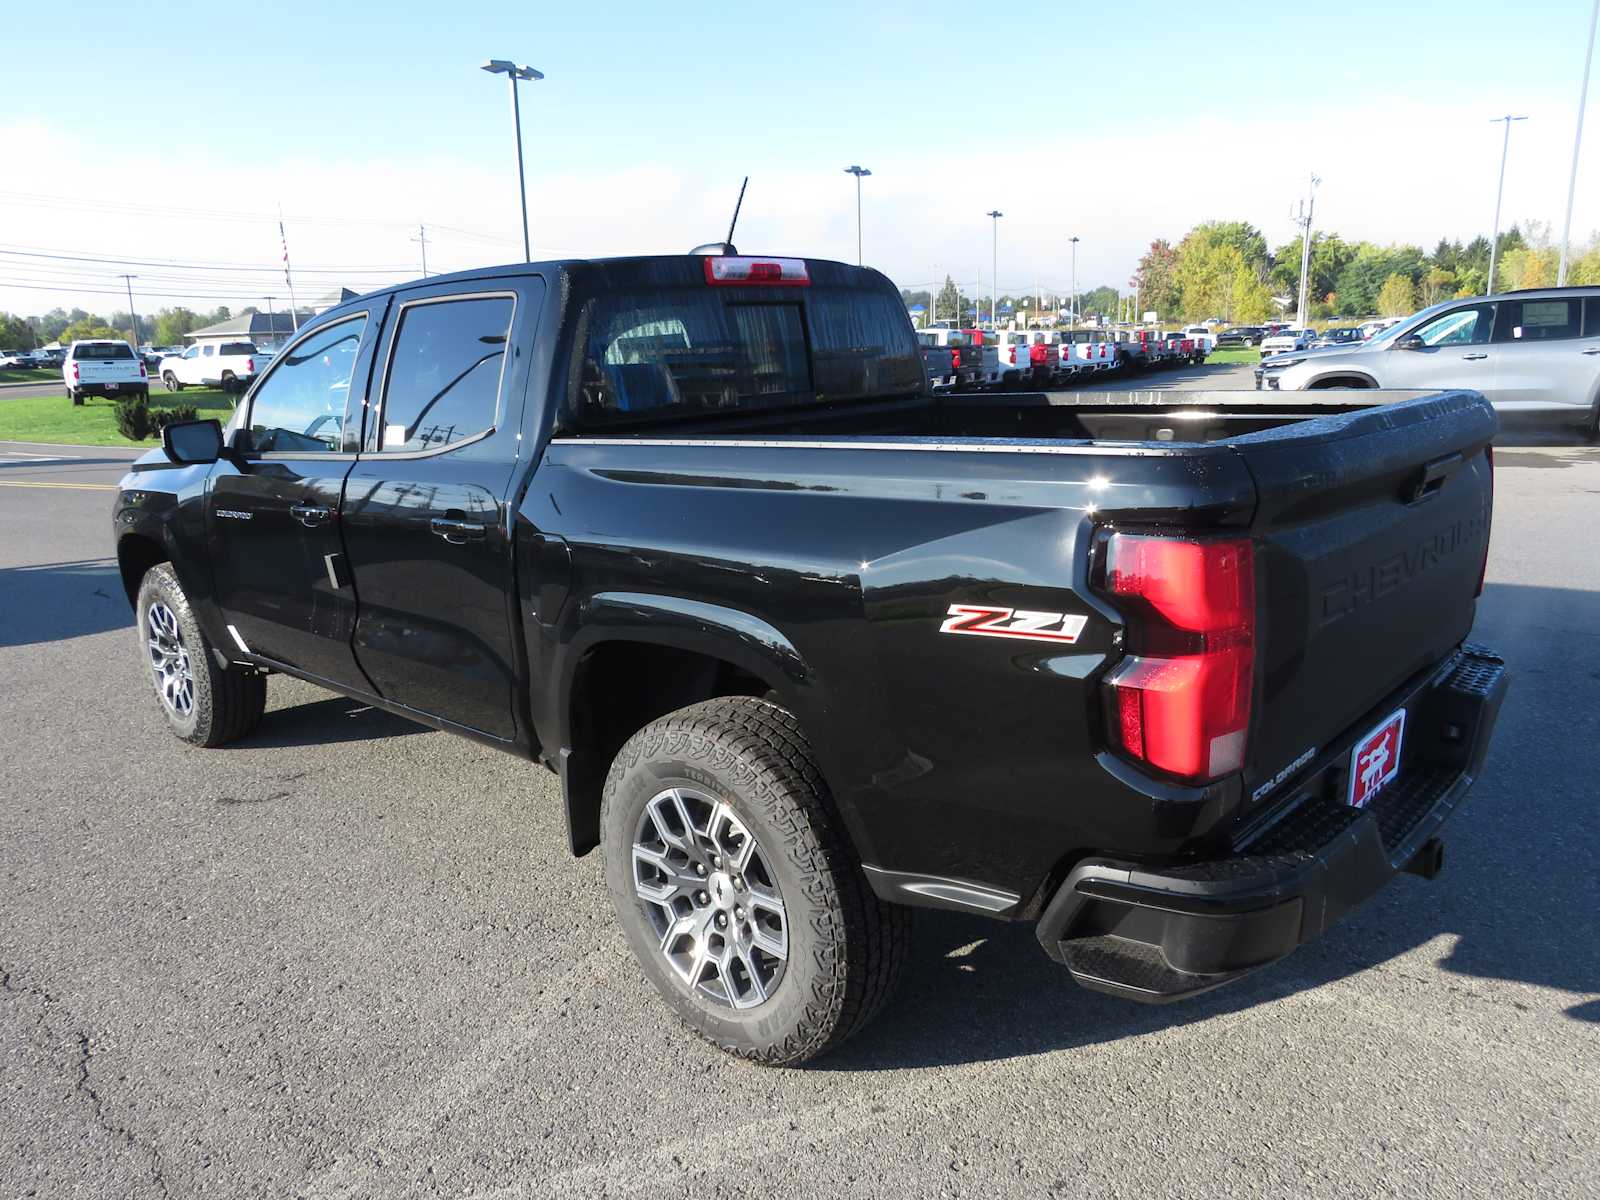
(172,383)
(735,886)
(205,704)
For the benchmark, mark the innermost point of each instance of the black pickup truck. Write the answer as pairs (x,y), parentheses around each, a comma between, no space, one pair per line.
(1179,677)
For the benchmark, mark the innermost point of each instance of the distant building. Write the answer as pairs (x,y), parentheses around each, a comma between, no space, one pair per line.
(267,331)
(333,299)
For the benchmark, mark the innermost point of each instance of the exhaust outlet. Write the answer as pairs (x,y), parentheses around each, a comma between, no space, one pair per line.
(1427,861)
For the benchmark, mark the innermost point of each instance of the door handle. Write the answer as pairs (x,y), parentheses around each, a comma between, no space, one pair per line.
(1473,357)
(310,515)
(457,532)
(1591,350)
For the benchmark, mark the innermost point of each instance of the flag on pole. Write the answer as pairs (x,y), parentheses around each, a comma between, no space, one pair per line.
(294,315)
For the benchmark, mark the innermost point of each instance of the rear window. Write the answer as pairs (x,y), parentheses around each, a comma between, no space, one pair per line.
(238,348)
(684,351)
(108,350)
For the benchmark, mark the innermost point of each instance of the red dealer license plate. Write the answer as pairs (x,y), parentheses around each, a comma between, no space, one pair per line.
(1376,759)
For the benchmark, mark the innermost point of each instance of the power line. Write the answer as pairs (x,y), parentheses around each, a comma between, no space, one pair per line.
(201,266)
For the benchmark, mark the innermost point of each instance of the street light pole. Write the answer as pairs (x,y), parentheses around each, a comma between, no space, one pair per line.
(1577,141)
(1302,310)
(132,316)
(1494,242)
(1075,316)
(514,73)
(272,320)
(858,172)
(994,269)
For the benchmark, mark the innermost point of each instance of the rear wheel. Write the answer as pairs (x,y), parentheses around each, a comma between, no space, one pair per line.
(205,704)
(1591,428)
(230,382)
(75,396)
(735,886)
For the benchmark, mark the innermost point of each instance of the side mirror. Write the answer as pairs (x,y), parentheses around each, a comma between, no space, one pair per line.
(189,442)
(1410,342)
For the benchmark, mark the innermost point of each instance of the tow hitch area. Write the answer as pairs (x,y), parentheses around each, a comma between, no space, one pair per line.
(1159,934)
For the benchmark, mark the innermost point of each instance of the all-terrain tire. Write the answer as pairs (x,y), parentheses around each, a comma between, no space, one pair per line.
(846,947)
(225,703)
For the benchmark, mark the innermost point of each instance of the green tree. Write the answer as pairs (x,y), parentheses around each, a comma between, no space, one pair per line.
(1241,235)
(1437,284)
(1100,300)
(88,327)
(16,332)
(1156,278)
(1215,280)
(1397,297)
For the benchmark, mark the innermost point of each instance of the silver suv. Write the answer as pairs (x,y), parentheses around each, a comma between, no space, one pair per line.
(1535,352)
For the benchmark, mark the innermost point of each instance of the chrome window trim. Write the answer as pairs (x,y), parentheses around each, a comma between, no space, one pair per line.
(382,407)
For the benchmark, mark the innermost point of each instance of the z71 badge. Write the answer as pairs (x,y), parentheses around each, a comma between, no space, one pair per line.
(981,621)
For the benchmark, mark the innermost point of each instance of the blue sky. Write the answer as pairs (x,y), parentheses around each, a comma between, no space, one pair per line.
(368,119)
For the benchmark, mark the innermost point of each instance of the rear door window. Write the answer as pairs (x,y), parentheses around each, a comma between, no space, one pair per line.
(110,351)
(443,382)
(1539,320)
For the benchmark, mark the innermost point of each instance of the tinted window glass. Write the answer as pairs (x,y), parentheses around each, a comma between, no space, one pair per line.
(301,405)
(237,348)
(113,350)
(673,351)
(1459,327)
(1539,320)
(444,372)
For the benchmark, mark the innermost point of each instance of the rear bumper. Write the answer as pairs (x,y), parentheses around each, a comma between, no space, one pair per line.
(142,388)
(1159,934)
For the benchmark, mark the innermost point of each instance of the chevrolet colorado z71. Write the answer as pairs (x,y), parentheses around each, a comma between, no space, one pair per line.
(1180,678)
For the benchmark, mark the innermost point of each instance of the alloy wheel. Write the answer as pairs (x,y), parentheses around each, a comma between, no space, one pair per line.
(169,660)
(712,898)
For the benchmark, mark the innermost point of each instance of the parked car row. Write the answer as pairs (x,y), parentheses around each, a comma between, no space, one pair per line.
(985,359)
(31,359)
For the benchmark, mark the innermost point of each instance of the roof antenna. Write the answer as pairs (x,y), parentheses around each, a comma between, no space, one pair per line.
(738,204)
(726,247)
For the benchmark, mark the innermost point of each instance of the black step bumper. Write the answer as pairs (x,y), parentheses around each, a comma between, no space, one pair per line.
(1159,934)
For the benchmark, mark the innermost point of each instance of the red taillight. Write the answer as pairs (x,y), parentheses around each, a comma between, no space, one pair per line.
(249,366)
(1039,354)
(730,271)
(1181,702)
(143,374)
(1013,352)
(955,359)
(74,372)
(1483,571)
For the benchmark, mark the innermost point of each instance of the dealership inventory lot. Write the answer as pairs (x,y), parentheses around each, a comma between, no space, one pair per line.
(351,956)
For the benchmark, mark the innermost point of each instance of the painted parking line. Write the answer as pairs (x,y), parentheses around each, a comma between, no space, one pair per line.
(39,457)
(84,487)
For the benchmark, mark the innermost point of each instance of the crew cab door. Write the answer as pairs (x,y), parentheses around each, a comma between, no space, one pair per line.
(426,517)
(1544,357)
(272,512)
(1456,352)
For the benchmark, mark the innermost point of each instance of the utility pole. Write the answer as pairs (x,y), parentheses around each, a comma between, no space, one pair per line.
(994,268)
(933,297)
(1577,141)
(132,316)
(422,240)
(859,173)
(1494,242)
(1304,221)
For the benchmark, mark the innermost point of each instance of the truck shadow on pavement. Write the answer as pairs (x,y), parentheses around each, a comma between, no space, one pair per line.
(51,602)
(1514,904)
(325,723)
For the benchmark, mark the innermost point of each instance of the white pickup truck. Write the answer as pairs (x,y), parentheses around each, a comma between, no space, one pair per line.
(100,367)
(227,365)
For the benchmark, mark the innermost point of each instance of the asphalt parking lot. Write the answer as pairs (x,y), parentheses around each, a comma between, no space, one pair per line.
(351,957)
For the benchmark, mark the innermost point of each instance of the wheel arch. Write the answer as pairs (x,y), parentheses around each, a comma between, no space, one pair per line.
(638,657)
(1342,378)
(136,554)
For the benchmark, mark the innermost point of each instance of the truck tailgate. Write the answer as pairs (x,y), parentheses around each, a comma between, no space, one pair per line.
(1371,533)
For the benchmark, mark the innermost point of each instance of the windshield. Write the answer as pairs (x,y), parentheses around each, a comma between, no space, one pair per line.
(1385,337)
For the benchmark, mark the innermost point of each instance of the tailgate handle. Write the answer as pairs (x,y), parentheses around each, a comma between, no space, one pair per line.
(1432,476)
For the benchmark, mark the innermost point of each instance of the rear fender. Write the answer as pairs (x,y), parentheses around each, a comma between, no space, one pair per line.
(757,654)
